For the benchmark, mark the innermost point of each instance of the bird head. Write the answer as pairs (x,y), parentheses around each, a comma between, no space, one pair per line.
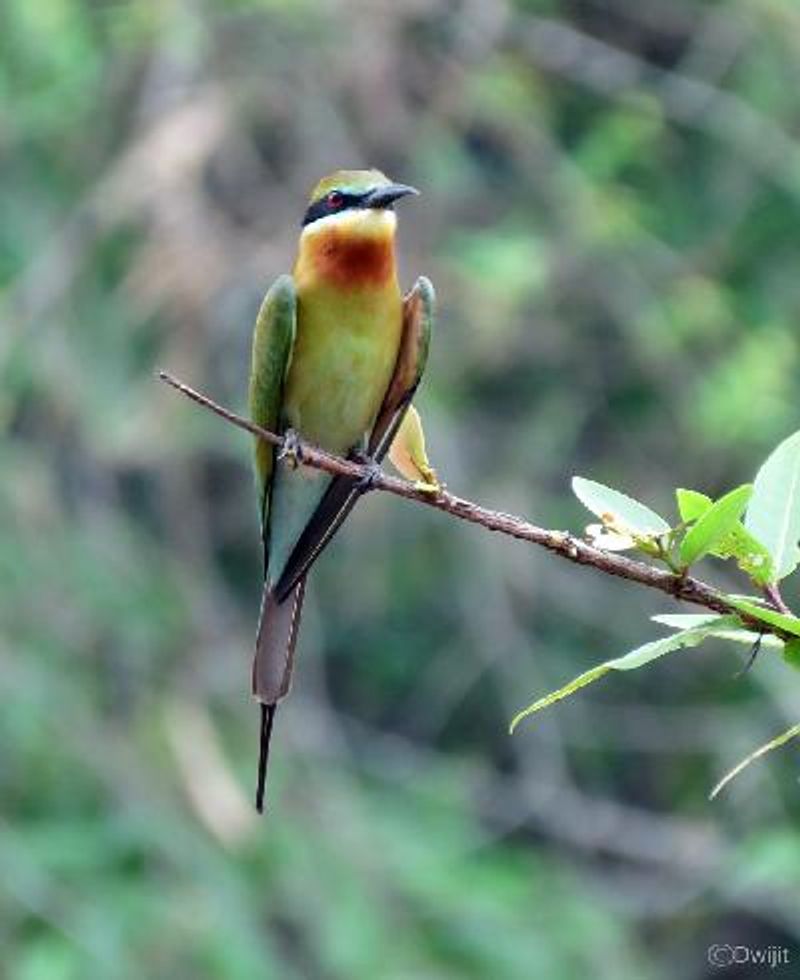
(356,200)
(347,240)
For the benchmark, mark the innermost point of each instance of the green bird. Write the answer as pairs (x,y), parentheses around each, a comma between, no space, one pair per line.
(337,355)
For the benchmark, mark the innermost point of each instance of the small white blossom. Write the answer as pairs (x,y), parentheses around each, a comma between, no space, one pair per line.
(609,537)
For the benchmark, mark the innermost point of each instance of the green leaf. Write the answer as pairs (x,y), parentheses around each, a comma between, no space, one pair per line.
(739,634)
(717,521)
(682,621)
(692,504)
(791,653)
(630,661)
(751,555)
(773,515)
(615,508)
(790,624)
(762,750)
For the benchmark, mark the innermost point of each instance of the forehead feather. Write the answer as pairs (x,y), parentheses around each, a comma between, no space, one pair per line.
(349,181)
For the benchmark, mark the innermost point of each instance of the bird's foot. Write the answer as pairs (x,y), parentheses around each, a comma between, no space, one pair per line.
(291,452)
(371,467)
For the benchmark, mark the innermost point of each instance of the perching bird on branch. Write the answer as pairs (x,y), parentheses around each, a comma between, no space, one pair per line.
(338,353)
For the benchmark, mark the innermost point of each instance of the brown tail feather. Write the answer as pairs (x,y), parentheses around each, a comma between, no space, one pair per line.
(275,643)
(272,666)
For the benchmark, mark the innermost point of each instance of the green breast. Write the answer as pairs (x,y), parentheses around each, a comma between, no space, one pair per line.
(343,360)
(344,356)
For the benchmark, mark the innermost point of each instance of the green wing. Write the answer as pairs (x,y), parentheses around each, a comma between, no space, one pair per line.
(342,494)
(273,342)
(418,318)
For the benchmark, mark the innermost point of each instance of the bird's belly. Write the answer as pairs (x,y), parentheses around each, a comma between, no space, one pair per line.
(339,374)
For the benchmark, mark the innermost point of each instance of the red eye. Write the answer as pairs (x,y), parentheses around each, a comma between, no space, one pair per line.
(335,199)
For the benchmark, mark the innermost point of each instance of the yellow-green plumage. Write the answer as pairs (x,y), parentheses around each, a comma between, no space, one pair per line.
(343,361)
(273,340)
(337,355)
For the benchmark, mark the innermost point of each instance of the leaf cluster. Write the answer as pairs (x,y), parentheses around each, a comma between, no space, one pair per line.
(755,526)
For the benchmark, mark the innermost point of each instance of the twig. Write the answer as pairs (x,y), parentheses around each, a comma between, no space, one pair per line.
(773,593)
(563,543)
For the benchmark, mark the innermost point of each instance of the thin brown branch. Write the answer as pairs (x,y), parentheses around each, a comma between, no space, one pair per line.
(773,594)
(573,549)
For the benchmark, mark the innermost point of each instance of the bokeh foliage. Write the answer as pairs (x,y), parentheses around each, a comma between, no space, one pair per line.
(610,216)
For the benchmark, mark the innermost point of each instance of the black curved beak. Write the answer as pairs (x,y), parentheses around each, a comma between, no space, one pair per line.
(384,197)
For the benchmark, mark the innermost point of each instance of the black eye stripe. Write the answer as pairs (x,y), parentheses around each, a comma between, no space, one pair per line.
(323,207)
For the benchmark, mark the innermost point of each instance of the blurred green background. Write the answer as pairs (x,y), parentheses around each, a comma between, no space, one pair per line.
(610,214)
